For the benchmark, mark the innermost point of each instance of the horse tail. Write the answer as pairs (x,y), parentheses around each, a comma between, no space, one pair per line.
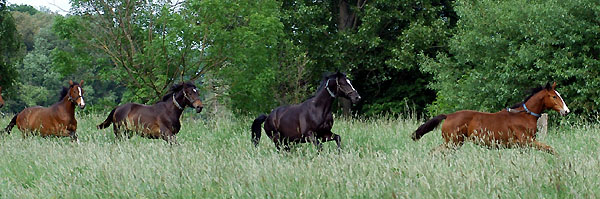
(428,126)
(108,120)
(11,124)
(256,128)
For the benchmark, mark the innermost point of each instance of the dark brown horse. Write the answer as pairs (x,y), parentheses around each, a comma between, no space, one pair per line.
(160,120)
(58,119)
(515,126)
(311,120)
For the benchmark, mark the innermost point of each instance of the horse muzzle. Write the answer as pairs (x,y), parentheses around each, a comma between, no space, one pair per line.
(355,98)
(81,106)
(198,109)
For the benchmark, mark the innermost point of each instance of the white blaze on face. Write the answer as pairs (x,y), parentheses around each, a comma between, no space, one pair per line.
(350,85)
(81,96)
(565,108)
(195,91)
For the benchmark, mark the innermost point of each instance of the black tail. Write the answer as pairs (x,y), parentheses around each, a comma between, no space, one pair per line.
(256,128)
(12,123)
(428,126)
(108,120)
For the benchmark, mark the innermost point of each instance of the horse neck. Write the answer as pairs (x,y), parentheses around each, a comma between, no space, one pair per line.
(67,105)
(536,104)
(323,101)
(175,110)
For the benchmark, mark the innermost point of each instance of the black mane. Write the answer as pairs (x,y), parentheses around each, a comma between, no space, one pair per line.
(532,91)
(329,76)
(176,88)
(65,91)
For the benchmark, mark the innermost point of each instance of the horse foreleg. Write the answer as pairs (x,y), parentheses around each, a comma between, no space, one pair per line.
(168,136)
(543,147)
(313,139)
(73,136)
(328,136)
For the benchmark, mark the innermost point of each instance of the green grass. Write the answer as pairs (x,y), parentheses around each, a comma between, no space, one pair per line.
(215,159)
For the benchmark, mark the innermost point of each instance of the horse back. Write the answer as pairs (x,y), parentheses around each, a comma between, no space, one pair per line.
(42,119)
(138,117)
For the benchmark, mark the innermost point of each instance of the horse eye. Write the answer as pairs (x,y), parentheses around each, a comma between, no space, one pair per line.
(554,97)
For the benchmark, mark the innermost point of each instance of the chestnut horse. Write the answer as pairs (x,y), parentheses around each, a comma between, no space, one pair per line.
(311,120)
(515,126)
(58,119)
(160,120)
(1,100)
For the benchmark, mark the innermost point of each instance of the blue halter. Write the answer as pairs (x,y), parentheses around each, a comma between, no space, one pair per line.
(528,111)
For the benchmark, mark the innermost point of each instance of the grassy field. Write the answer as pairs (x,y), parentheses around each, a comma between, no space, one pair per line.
(215,159)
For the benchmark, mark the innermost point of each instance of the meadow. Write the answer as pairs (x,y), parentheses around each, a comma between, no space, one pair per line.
(215,159)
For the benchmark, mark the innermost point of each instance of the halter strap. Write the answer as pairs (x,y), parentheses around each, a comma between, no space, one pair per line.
(175,102)
(528,111)
(327,87)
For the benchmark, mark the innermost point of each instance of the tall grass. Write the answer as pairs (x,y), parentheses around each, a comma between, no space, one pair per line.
(215,159)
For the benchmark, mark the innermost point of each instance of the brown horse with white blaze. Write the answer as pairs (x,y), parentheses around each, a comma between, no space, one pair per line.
(58,119)
(160,120)
(511,127)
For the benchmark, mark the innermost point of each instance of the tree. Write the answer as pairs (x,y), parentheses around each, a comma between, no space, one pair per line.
(380,44)
(9,48)
(500,49)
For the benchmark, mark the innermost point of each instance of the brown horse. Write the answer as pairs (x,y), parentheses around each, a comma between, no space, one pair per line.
(311,120)
(515,126)
(1,100)
(58,119)
(160,120)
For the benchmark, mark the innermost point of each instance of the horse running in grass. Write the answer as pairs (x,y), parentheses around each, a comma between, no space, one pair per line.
(56,120)
(511,127)
(160,120)
(311,120)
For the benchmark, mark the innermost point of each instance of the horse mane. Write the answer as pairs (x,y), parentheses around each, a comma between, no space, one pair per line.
(532,91)
(176,88)
(327,76)
(65,91)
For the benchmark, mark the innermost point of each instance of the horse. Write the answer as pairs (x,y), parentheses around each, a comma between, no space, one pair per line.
(1,100)
(510,127)
(160,120)
(56,120)
(310,120)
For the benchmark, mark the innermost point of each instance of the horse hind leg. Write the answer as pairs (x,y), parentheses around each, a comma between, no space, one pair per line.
(543,147)
(73,136)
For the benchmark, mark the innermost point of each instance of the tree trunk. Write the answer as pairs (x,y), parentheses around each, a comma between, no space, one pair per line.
(345,22)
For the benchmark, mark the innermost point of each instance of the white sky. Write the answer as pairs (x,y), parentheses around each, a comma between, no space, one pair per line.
(60,6)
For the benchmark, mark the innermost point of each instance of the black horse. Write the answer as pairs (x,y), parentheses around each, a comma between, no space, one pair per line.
(160,120)
(309,121)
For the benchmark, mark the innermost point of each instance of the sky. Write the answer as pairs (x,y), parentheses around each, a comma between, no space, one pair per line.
(60,6)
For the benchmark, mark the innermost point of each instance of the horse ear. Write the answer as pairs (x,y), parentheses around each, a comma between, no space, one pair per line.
(70,82)
(553,85)
(81,83)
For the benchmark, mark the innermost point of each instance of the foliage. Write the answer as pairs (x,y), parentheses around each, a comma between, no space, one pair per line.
(29,25)
(502,48)
(379,49)
(9,47)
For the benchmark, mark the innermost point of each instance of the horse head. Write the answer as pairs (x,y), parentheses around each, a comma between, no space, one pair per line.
(345,88)
(75,93)
(553,100)
(191,96)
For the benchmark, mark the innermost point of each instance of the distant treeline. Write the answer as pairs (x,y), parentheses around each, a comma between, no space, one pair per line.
(248,56)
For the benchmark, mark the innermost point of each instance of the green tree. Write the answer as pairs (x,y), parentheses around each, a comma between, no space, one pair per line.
(380,43)
(501,48)
(9,48)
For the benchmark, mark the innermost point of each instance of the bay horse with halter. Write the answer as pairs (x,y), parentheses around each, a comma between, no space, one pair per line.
(511,127)
(160,120)
(57,120)
(311,120)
